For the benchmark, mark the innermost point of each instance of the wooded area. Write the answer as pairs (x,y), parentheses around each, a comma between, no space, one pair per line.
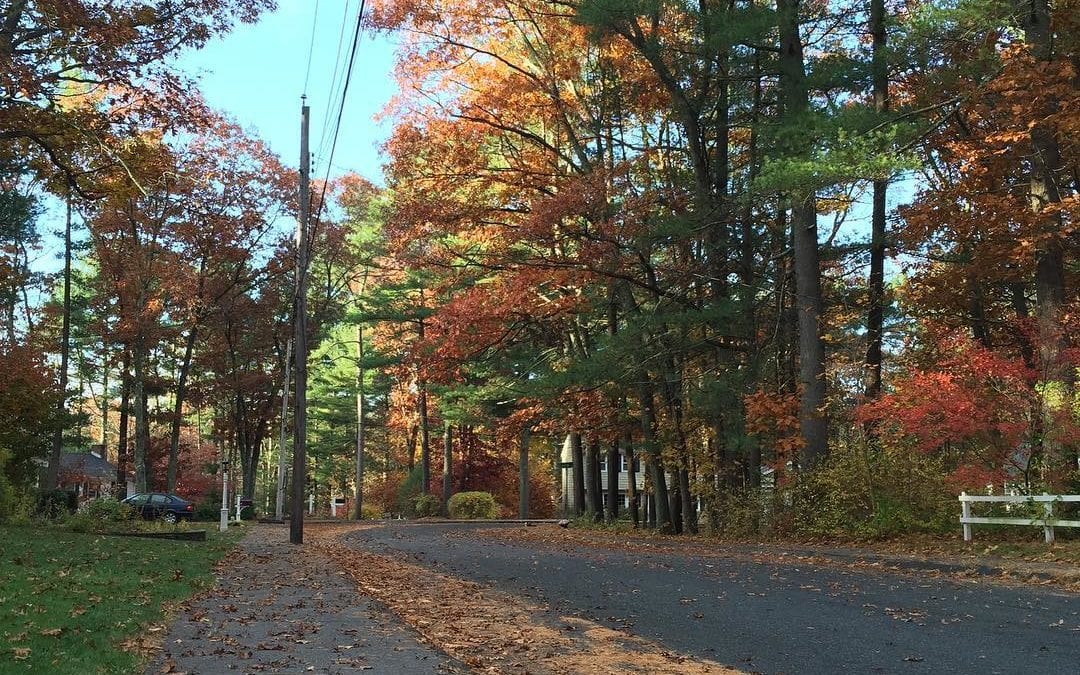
(812,263)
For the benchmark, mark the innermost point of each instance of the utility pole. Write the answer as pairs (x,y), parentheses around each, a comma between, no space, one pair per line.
(279,507)
(299,473)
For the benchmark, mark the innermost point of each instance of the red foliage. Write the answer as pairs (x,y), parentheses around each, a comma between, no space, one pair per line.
(196,472)
(27,397)
(973,395)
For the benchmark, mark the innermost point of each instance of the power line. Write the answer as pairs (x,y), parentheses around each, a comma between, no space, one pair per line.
(311,45)
(332,102)
(341,111)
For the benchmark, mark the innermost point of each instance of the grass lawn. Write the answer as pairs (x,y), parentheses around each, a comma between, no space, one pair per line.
(80,603)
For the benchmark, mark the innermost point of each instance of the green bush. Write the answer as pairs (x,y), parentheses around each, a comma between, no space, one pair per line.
(20,506)
(473,505)
(405,500)
(427,506)
(209,509)
(370,511)
(108,510)
(57,503)
(872,494)
(102,514)
(737,513)
(7,497)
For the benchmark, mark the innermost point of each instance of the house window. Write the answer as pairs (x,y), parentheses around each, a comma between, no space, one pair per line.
(622,463)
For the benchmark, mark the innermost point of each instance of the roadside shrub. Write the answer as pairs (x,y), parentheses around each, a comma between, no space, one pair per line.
(737,514)
(473,505)
(108,510)
(427,506)
(874,494)
(57,503)
(7,492)
(209,509)
(20,507)
(369,511)
(101,514)
(407,491)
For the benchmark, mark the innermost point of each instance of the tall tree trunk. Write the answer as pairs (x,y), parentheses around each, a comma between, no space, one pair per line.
(425,440)
(523,473)
(876,283)
(240,442)
(178,408)
(122,453)
(104,406)
(425,435)
(662,512)
(1046,171)
(52,473)
(684,516)
(980,331)
(577,460)
(251,470)
(358,494)
(447,467)
(138,391)
(632,497)
(676,506)
(793,90)
(1020,307)
(465,441)
(613,482)
(414,432)
(687,503)
(593,504)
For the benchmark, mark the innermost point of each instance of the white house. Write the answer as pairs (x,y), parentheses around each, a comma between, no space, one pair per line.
(566,477)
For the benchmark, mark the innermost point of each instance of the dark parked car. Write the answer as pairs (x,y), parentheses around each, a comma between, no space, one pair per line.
(154,505)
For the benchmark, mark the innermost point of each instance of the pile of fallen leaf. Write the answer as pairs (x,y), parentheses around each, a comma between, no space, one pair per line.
(494,631)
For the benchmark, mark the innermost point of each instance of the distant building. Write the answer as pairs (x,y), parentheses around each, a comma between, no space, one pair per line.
(90,475)
(566,478)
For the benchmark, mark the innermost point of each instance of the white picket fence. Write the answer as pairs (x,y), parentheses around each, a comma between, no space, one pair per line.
(1047,520)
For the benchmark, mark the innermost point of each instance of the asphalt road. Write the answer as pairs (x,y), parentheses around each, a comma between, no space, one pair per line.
(783,617)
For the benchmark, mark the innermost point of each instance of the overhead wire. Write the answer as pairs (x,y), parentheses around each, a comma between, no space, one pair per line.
(311,46)
(338,62)
(341,112)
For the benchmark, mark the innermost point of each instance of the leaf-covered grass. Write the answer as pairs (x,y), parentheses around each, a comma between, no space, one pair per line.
(84,603)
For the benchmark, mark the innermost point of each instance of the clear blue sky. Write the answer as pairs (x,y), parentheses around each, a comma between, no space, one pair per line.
(256,75)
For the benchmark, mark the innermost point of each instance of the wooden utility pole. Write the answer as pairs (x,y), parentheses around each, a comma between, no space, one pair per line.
(299,472)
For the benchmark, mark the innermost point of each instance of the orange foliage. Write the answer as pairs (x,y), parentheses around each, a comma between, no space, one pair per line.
(774,418)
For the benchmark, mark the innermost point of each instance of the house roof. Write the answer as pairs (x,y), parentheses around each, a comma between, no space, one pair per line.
(87,464)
